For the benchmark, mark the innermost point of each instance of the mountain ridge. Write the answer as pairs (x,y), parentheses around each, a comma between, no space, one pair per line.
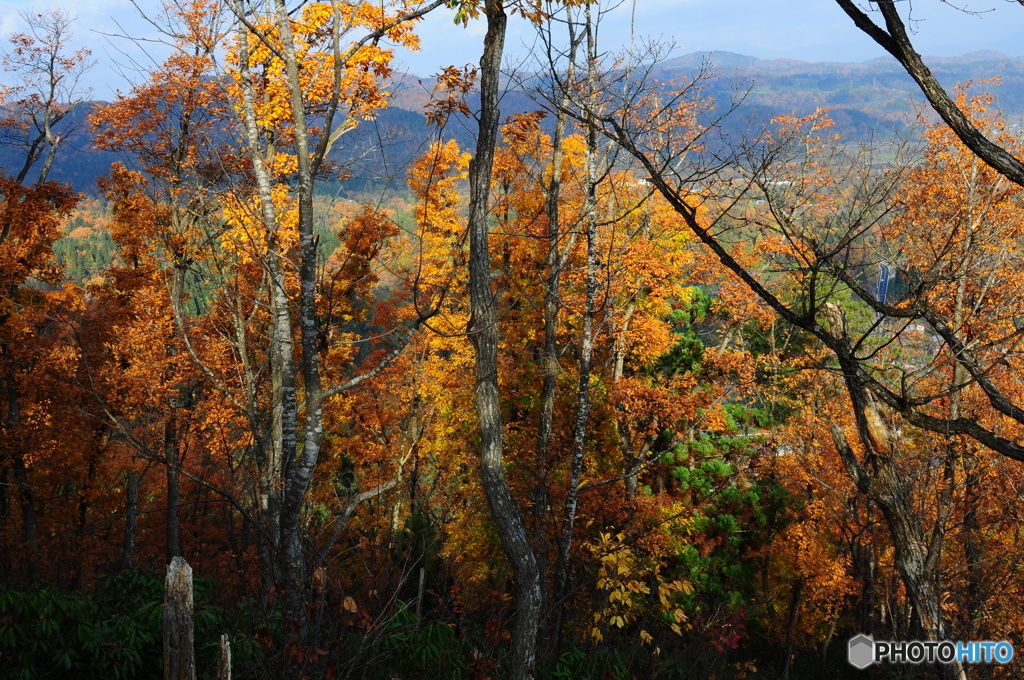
(869,99)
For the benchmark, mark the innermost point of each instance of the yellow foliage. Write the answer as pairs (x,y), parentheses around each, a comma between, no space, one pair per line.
(246,236)
(624,576)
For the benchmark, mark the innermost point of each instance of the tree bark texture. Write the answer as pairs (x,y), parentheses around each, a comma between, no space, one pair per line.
(299,466)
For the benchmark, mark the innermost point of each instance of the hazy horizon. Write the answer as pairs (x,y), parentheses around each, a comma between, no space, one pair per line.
(813,31)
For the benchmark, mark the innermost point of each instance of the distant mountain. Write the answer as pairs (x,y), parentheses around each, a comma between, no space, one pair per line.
(77,163)
(870,98)
(874,98)
(717,59)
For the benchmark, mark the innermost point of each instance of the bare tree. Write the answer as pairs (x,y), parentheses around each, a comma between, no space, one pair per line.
(46,89)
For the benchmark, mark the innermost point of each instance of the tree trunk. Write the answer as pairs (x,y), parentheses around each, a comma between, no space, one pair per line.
(287,472)
(30,523)
(278,450)
(5,511)
(483,333)
(972,546)
(563,586)
(864,566)
(886,487)
(299,467)
(172,529)
(549,384)
(82,563)
(794,616)
(131,521)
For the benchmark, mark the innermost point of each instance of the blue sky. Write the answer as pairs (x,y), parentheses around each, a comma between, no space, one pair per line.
(812,30)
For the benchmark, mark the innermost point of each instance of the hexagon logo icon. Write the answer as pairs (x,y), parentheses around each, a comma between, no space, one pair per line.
(861,651)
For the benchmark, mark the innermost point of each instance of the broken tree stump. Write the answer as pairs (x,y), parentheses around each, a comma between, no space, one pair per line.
(179,635)
(224,662)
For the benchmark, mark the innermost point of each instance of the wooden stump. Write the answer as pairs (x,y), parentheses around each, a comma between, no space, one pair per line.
(179,648)
(224,662)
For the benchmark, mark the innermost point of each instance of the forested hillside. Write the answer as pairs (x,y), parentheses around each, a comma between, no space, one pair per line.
(606,378)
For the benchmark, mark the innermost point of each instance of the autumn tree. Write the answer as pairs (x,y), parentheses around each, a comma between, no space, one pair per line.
(43,92)
(957,240)
(227,167)
(31,221)
(299,84)
(820,238)
(163,213)
(484,334)
(573,235)
(929,379)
